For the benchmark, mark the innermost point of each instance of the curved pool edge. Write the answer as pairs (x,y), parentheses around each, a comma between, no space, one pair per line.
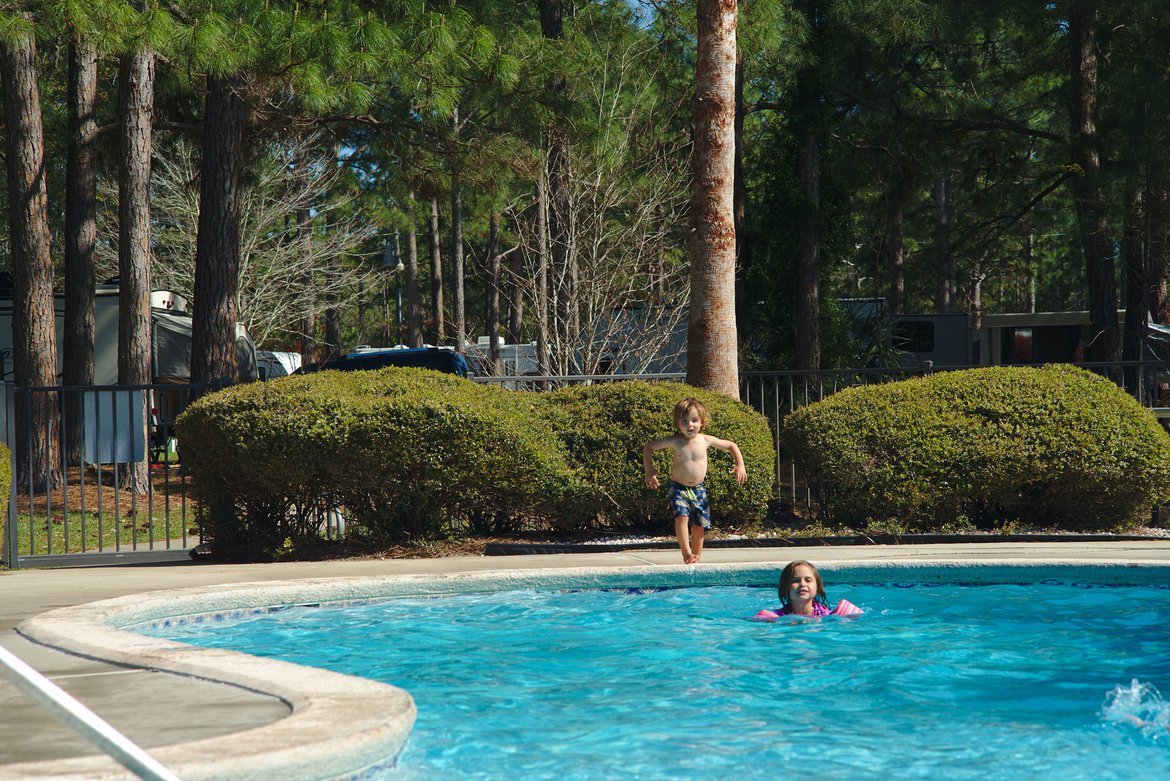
(341,726)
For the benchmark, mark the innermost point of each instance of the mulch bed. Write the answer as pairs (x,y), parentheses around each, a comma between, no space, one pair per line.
(97,488)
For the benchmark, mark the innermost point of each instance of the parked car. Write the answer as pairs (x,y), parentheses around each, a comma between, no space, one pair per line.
(438,358)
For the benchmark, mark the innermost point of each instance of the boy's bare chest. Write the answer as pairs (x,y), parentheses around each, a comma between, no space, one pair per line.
(691,451)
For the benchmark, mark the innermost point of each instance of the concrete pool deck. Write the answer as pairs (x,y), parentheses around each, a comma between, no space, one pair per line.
(157,709)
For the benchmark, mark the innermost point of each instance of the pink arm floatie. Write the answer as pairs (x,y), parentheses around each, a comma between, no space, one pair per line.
(846,608)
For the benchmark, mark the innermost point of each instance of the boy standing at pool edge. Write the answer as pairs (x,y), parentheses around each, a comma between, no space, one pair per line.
(686,493)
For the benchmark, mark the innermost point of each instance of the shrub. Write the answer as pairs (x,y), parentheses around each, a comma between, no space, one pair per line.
(403,450)
(1055,445)
(5,479)
(605,426)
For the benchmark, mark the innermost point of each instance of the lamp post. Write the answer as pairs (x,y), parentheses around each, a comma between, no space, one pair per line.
(392,261)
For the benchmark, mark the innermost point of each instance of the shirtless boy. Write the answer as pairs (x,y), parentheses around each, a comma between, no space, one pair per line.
(687,494)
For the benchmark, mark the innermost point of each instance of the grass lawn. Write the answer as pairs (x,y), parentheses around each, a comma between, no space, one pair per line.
(73,533)
(90,512)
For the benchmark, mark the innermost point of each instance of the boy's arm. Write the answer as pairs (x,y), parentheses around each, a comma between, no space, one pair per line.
(648,460)
(740,471)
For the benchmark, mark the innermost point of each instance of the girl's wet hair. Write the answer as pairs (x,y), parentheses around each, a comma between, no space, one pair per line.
(786,578)
(686,405)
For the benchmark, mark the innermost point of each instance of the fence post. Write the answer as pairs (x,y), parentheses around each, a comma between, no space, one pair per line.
(11,556)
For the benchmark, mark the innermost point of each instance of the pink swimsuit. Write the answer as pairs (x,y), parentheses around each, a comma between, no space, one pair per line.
(843,608)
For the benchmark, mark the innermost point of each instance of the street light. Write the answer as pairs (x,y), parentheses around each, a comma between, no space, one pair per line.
(392,261)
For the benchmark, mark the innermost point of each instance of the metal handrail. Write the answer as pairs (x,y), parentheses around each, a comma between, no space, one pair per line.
(82,720)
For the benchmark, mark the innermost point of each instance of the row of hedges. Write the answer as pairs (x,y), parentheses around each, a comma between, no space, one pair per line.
(1055,446)
(405,451)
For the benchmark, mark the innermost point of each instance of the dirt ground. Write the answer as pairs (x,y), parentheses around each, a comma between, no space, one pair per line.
(94,490)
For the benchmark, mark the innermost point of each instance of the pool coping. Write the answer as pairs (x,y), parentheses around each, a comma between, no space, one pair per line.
(377,718)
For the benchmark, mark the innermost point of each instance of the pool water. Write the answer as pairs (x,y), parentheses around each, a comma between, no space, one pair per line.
(942,682)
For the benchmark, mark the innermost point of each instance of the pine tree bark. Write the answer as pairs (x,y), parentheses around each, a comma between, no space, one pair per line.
(1088,195)
(303,236)
(712,352)
(492,293)
(136,107)
(459,305)
(1136,296)
(34,321)
(437,272)
(1156,262)
(413,304)
(743,250)
(808,262)
(565,318)
(516,299)
(80,236)
(543,367)
(217,255)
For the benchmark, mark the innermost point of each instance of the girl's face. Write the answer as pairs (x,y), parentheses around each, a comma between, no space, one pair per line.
(802,586)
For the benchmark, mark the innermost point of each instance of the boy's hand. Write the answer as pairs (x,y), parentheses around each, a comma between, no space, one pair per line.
(652,480)
(740,473)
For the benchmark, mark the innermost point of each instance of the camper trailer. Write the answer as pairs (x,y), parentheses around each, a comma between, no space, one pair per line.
(170,337)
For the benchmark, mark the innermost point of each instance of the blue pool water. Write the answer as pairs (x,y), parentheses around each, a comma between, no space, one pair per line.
(942,682)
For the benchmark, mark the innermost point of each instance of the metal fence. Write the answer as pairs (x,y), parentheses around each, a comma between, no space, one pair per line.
(96,476)
(775,394)
(118,491)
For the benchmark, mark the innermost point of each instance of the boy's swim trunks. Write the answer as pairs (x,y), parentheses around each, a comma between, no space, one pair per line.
(691,501)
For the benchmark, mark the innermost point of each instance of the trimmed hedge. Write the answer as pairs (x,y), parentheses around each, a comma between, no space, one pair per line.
(405,451)
(402,450)
(1044,447)
(5,478)
(605,426)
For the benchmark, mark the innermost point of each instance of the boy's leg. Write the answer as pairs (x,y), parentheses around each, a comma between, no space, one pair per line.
(697,533)
(682,530)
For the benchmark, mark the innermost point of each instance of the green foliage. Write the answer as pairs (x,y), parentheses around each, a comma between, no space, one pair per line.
(605,426)
(1041,447)
(5,479)
(403,451)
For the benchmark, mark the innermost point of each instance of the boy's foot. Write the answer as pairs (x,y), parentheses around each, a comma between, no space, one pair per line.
(689,558)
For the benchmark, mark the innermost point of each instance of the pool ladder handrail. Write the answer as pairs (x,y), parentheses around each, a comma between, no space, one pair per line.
(82,720)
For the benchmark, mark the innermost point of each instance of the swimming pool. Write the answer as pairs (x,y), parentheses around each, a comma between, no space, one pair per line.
(934,681)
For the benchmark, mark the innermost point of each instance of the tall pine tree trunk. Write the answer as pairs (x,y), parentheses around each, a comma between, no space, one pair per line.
(437,272)
(308,325)
(516,298)
(413,305)
(743,250)
(217,255)
(1088,195)
(944,212)
(492,293)
(34,321)
(80,236)
(543,367)
(712,351)
(895,250)
(1156,264)
(307,340)
(136,106)
(458,272)
(808,262)
(1133,336)
(565,316)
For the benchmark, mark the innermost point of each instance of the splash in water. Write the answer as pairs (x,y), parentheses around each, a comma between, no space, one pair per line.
(1141,705)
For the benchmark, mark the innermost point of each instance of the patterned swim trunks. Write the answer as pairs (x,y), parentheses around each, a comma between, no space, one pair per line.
(691,501)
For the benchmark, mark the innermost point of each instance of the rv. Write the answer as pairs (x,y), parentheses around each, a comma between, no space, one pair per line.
(170,338)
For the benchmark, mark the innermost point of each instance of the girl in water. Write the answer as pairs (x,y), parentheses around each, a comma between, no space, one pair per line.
(802,593)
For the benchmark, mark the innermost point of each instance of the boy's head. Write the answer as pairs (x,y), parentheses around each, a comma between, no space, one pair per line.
(684,408)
